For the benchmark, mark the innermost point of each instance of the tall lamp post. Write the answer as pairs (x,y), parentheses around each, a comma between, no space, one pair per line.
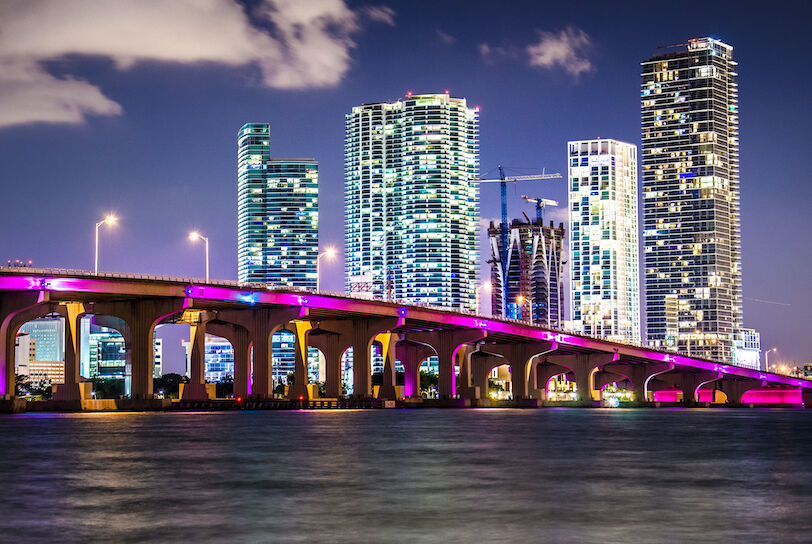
(193,236)
(109,220)
(330,252)
(767,358)
(487,286)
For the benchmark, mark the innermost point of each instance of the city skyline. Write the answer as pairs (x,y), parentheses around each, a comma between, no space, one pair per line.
(137,233)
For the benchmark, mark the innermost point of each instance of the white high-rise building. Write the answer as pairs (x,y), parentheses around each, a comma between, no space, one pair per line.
(690,123)
(603,237)
(412,200)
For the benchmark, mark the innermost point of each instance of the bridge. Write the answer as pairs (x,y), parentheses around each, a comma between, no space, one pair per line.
(467,346)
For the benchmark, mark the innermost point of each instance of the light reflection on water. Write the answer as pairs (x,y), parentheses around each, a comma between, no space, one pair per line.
(568,475)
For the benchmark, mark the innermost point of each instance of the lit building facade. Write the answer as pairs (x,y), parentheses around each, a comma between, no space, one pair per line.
(535,283)
(277,213)
(747,349)
(48,334)
(603,239)
(690,132)
(412,200)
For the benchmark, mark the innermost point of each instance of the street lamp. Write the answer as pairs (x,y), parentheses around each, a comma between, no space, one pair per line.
(521,299)
(193,236)
(487,286)
(767,358)
(109,220)
(330,253)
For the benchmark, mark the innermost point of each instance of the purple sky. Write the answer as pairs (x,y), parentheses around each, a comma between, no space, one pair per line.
(133,108)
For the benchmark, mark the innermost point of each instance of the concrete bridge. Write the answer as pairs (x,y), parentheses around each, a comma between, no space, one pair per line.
(466,345)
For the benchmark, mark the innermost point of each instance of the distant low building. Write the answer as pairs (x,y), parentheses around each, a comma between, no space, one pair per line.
(747,349)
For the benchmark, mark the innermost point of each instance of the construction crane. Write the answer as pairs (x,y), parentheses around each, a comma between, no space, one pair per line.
(540,204)
(503,254)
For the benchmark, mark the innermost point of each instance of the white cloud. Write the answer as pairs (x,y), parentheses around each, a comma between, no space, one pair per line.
(382,14)
(295,44)
(564,49)
(446,38)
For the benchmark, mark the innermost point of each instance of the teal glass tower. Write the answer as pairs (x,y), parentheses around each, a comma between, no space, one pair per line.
(277,213)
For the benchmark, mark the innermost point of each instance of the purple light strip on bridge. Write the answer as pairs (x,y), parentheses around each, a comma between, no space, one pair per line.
(378,308)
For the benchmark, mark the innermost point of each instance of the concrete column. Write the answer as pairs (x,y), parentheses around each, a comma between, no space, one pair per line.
(72,312)
(141,315)
(238,337)
(388,341)
(446,344)
(261,324)
(481,365)
(464,386)
(196,388)
(332,345)
(300,378)
(639,374)
(519,356)
(545,371)
(735,387)
(357,333)
(411,355)
(688,381)
(806,395)
(11,306)
(583,365)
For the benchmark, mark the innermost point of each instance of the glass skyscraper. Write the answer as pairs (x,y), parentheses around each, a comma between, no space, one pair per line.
(690,125)
(277,215)
(412,200)
(603,237)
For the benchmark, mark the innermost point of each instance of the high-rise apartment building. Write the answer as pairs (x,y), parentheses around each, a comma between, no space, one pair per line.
(691,231)
(603,237)
(412,200)
(277,215)
(535,283)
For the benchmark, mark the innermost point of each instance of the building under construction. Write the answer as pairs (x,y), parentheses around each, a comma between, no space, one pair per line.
(534,273)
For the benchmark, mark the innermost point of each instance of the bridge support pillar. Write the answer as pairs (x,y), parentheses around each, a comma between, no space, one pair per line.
(446,344)
(238,337)
(481,365)
(196,388)
(735,387)
(583,366)
(299,390)
(359,334)
(388,341)
(411,355)
(141,316)
(72,312)
(13,306)
(806,395)
(332,343)
(543,373)
(639,374)
(519,357)
(261,324)
(689,382)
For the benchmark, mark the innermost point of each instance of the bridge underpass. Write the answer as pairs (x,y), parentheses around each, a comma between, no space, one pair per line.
(466,345)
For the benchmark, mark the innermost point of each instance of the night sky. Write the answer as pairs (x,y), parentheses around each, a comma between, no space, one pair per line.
(133,107)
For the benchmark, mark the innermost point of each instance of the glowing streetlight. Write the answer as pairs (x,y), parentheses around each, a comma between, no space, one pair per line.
(193,236)
(767,358)
(330,253)
(487,286)
(110,220)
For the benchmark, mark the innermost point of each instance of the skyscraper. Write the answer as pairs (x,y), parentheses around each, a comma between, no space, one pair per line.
(412,200)
(691,198)
(603,236)
(277,218)
(535,286)
(49,335)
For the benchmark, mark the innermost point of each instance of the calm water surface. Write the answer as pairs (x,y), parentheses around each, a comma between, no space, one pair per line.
(553,475)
